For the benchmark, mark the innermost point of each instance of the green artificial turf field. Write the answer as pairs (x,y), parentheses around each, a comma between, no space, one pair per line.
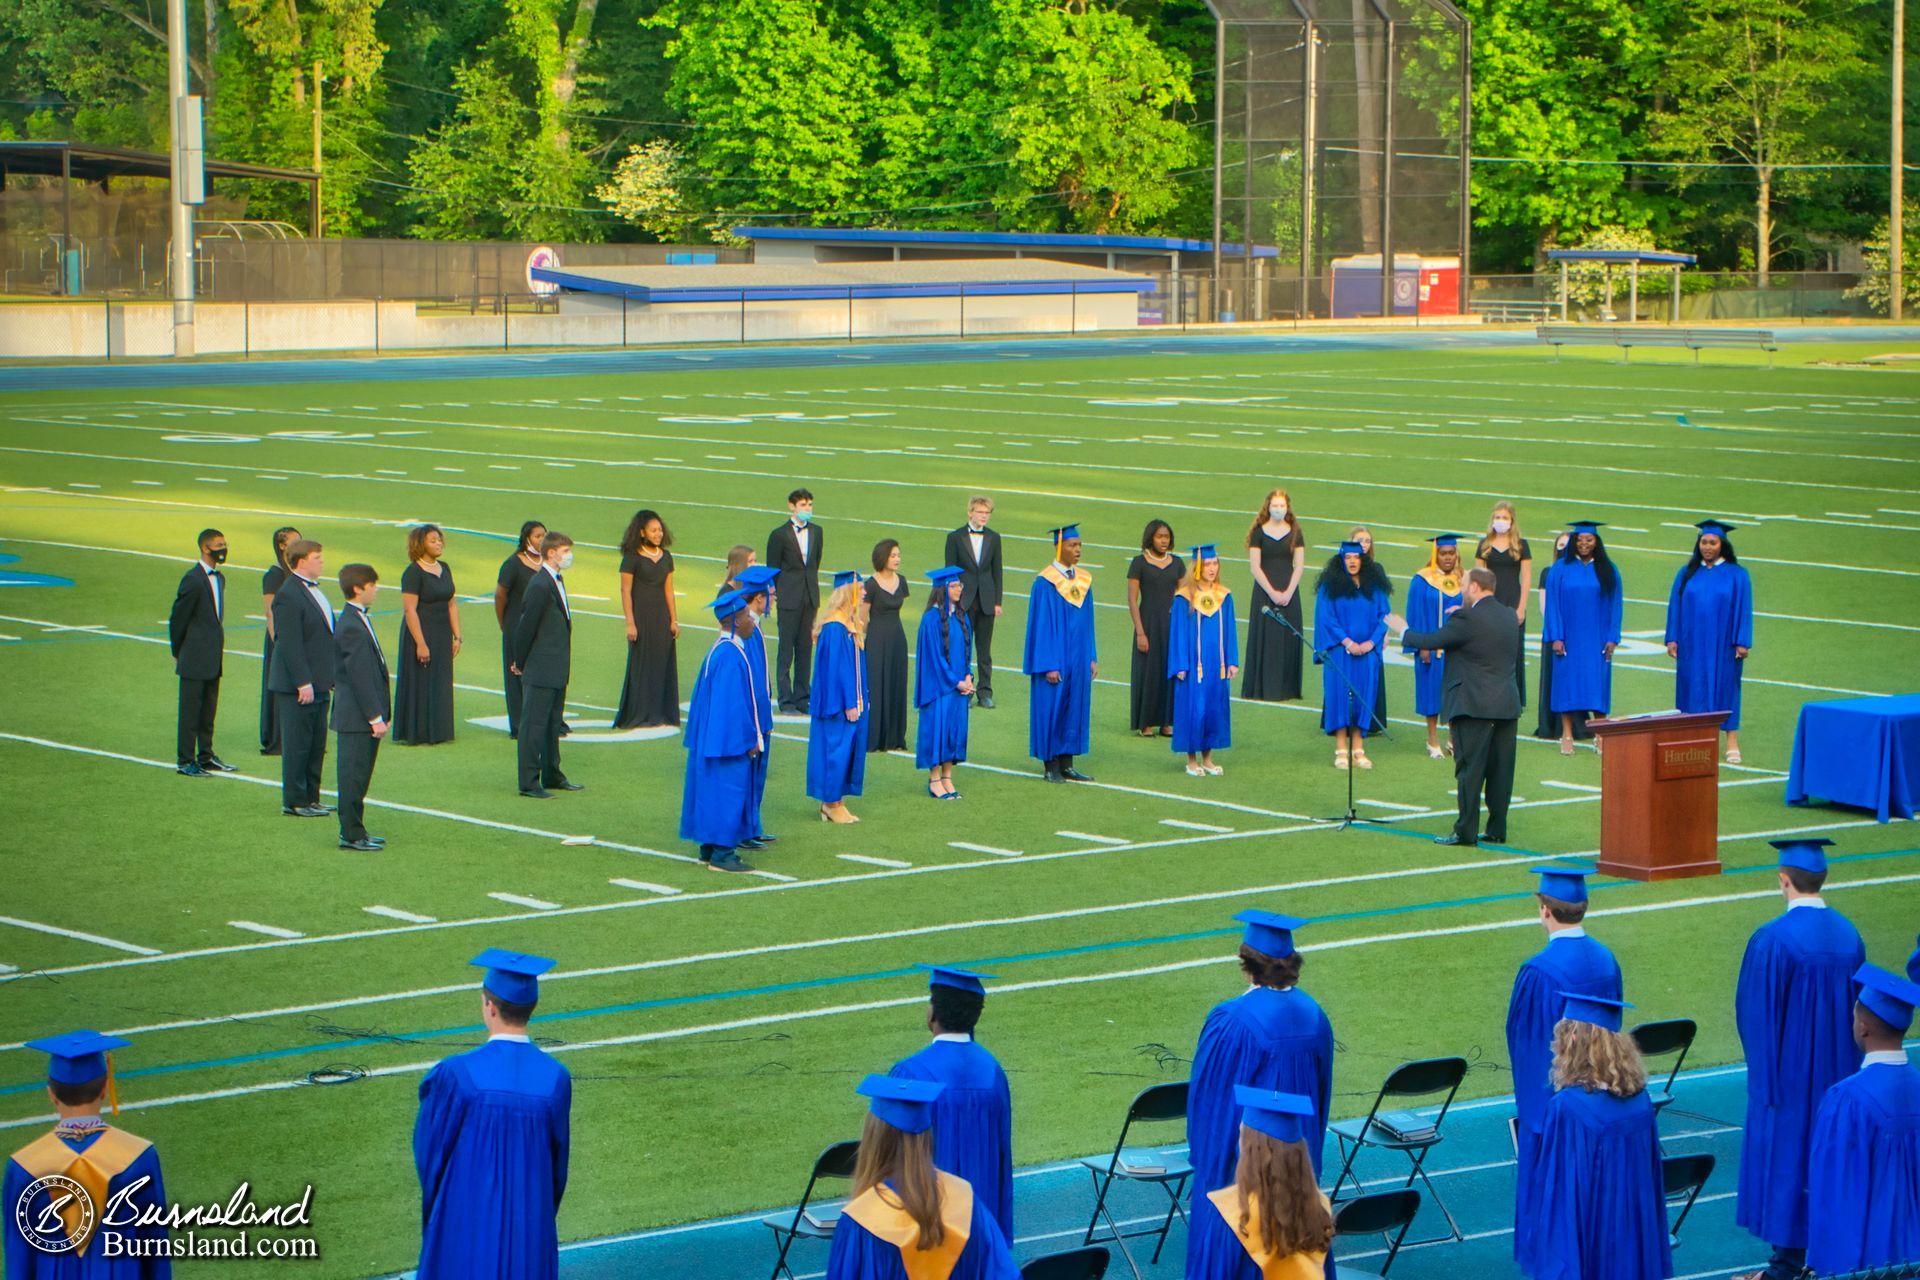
(714,1024)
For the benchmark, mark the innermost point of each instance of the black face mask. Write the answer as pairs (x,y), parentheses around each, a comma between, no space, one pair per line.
(218,555)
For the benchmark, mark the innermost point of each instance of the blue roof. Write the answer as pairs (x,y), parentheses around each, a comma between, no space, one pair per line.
(1000,239)
(787,293)
(1658,256)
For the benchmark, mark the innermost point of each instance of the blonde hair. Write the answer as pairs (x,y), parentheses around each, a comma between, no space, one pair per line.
(737,559)
(1260,518)
(1596,1059)
(1513,530)
(890,1155)
(1355,537)
(843,606)
(1278,1177)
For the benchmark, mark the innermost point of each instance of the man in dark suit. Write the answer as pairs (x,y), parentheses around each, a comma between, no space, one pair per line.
(976,550)
(1480,701)
(793,550)
(197,634)
(362,705)
(543,659)
(301,679)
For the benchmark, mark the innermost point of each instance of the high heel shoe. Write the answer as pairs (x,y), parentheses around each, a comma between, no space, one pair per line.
(1566,746)
(1339,759)
(1360,760)
(935,794)
(1434,752)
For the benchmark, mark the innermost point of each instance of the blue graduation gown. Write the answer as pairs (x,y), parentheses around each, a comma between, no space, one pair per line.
(1584,620)
(972,1121)
(1794,1007)
(942,734)
(1600,1213)
(1427,607)
(1359,617)
(1215,1252)
(858,1254)
(491,1150)
(1707,620)
(837,746)
(1200,648)
(1564,964)
(1060,638)
(723,727)
(756,647)
(24,1262)
(1864,1175)
(1265,1038)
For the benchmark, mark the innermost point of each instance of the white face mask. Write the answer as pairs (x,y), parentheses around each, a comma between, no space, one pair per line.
(1501,526)
(566,560)
(1278,511)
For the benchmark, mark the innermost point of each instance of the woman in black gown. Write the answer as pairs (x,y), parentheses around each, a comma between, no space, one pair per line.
(269,584)
(651,694)
(1507,556)
(1152,579)
(516,571)
(1277,552)
(887,697)
(429,639)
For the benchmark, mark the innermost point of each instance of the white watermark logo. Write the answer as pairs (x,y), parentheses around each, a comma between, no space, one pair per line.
(48,1230)
(130,1227)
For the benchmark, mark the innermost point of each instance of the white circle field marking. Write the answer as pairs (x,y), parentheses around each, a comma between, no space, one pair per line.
(589,735)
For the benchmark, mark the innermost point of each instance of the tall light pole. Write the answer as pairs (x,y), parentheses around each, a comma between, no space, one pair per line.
(186,172)
(1897,218)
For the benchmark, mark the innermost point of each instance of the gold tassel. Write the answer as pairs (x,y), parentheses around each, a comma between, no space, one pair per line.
(113,1088)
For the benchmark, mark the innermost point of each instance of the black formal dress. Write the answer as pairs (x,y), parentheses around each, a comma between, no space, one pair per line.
(1548,724)
(1479,699)
(1509,590)
(1151,706)
(543,650)
(980,594)
(269,718)
(303,654)
(886,713)
(423,704)
(197,635)
(514,576)
(796,600)
(651,694)
(1271,672)
(362,695)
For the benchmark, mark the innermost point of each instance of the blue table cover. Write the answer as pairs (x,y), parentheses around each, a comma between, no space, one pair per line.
(1858,751)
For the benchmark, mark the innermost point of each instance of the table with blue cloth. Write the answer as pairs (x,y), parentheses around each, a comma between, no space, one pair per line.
(1858,751)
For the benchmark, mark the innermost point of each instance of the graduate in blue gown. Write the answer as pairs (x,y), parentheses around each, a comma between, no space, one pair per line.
(1794,1007)
(1601,1210)
(1571,961)
(1710,629)
(491,1141)
(1271,1222)
(1203,659)
(1271,1036)
(908,1218)
(1350,610)
(1585,600)
(1061,661)
(1434,592)
(756,589)
(1863,1178)
(836,734)
(725,729)
(120,1173)
(973,1117)
(943,682)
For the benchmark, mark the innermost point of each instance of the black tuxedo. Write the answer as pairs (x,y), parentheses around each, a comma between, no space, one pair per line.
(543,650)
(364,694)
(1480,700)
(980,592)
(197,635)
(796,594)
(303,653)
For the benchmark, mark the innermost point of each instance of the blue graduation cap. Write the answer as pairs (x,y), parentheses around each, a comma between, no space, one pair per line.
(1806,854)
(1278,1115)
(1890,996)
(78,1057)
(1064,532)
(1718,528)
(511,975)
(940,975)
(1587,526)
(756,575)
(1205,551)
(941,576)
(1569,884)
(1445,540)
(731,603)
(1269,932)
(845,578)
(907,1105)
(1600,1011)
(1352,549)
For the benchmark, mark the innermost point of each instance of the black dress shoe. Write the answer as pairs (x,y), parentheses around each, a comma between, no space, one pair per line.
(766,837)
(536,793)
(1054,774)
(751,842)
(1487,837)
(306,811)
(566,784)
(191,770)
(1451,838)
(361,846)
(214,764)
(1072,774)
(324,809)
(377,841)
(984,701)
(269,751)
(728,860)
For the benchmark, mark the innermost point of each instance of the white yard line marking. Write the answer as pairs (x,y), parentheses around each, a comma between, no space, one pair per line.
(1091,838)
(1580,786)
(1193,826)
(394,913)
(1389,804)
(872,861)
(644,886)
(995,850)
(519,900)
(78,936)
(271,930)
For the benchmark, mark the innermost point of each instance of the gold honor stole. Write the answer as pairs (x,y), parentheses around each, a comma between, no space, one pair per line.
(1074,590)
(1206,602)
(886,1220)
(1310,1265)
(93,1169)
(1447,584)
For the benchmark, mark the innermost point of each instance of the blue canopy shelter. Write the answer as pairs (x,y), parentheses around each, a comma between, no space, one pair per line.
(1634,260)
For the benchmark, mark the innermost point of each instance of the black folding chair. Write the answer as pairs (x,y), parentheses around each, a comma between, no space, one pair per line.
(1428,1078)
(1387,1214)
(1169,1172)
(1684,1178)
(1074,1264)
(835,1162)
(1656,1039)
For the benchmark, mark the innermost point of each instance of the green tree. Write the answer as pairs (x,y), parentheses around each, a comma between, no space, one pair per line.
(1875,285)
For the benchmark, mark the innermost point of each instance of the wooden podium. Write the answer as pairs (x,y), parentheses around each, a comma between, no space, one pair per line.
(1660,796)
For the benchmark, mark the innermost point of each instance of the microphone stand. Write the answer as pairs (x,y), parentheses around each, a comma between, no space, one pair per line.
(1351,816)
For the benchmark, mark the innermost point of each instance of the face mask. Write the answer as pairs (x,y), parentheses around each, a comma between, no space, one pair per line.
(218,555)
(801,518)
(1278,511)
(566,560)
(1501,526)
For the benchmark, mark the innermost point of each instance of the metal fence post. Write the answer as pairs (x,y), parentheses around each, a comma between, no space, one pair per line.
(506,325)
(108,304)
